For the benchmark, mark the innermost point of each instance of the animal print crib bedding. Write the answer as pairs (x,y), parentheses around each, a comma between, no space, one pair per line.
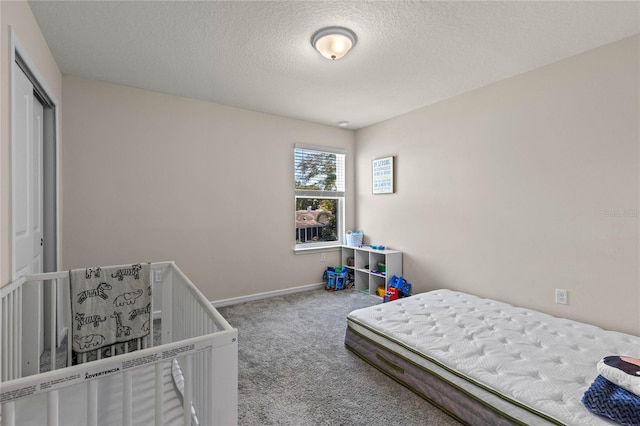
(109,305)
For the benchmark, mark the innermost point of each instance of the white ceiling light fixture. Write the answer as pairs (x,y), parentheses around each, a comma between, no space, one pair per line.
(333,42)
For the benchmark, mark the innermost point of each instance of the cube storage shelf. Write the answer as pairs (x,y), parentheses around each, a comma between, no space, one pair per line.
(366,260)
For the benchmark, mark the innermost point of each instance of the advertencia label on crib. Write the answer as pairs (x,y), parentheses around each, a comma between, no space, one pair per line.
(77,374)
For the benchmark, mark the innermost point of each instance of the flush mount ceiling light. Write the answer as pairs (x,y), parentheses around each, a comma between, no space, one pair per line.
(333,42)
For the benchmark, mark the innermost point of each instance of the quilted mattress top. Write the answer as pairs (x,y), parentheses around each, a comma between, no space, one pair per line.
(541,361)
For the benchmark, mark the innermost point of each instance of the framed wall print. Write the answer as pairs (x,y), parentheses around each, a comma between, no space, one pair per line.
(382,175)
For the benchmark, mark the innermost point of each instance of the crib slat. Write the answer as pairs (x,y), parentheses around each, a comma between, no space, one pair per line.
(14,331)
(188,389)
(148,340)
(4,374)
(18,336)
(69,349)
(67,284)
(166,326)
(92,403)
(204,385)
(200,391)
(11,324)
(127,385)
(11,348)
(53,328)
(211,385)
(53,408)
(159,394)
(9,414)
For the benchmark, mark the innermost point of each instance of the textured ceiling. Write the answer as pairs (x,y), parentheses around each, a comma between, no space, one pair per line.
(257,55)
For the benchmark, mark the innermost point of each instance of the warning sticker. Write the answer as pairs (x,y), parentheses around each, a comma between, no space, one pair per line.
(137,362)
(57,381)
(17,393)
(177,351)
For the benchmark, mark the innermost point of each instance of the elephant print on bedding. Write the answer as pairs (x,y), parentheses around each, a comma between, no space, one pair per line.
(127,298)
(89,341)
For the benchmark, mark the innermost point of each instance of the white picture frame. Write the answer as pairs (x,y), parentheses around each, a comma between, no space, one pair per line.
(382,175)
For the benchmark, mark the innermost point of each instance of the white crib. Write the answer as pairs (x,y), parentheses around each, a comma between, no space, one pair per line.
(190,378)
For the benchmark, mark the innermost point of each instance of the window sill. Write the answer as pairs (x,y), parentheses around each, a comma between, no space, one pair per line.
(317,249)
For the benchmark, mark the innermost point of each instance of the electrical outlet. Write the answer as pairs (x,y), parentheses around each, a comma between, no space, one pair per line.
(323,257)
(157,276)
(562,296)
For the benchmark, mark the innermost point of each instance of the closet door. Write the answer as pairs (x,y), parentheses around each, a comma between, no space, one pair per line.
(27,210)
(26,174)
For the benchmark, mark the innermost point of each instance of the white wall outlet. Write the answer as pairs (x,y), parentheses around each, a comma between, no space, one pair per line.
(323,257)
(562,296)
(157,276)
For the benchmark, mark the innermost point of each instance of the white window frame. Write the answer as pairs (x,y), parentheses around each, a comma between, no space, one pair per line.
(337,195)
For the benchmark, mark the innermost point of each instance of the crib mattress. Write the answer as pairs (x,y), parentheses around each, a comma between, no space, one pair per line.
(73,399)
(528,367)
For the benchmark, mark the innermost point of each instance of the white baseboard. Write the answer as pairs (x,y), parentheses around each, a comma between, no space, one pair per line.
(266,295)
(242,299)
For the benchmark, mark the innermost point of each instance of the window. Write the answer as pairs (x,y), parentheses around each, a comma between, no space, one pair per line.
(319,196)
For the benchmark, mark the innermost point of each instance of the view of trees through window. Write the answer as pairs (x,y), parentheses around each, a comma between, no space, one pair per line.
(318,181)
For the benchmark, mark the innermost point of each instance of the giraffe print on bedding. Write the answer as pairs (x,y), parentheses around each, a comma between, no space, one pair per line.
(122,330)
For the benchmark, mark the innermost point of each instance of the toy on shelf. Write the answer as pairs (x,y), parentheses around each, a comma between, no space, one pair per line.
(398,287)
(390,295)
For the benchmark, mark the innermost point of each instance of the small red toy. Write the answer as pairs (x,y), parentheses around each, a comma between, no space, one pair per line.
(391,294)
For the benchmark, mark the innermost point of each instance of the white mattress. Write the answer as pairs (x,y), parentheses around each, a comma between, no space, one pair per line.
(527,357)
